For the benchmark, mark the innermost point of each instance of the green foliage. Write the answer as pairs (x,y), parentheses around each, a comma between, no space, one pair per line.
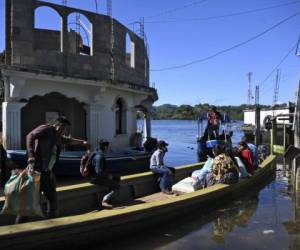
(187,112)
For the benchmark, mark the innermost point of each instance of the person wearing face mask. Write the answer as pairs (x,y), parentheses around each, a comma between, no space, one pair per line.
(158,167)
(43,148)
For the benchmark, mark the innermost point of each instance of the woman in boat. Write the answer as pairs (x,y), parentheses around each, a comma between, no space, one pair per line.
(246,156)
(224,169)
(199,176)
(234,154)
(253,149)
(158,167)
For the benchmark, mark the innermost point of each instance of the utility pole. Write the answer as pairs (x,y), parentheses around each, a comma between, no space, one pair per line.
(276,87)
(257,116)
(112,40)
(249,95)
(257,95)
(64,2)
(96,6)
(109,7)
(142,27)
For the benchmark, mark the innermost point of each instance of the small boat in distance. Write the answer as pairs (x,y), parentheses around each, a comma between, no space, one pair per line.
(206,142)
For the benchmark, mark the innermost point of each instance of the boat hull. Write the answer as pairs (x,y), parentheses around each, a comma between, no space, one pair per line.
(123,163)
(109,224)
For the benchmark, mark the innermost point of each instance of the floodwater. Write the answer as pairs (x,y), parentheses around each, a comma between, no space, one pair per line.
(267,217)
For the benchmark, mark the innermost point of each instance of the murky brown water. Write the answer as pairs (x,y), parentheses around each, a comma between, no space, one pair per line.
(268,218)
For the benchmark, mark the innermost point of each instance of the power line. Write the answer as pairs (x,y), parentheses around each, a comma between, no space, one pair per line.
(230,48)
(224,16)
(175,9)
(281,61)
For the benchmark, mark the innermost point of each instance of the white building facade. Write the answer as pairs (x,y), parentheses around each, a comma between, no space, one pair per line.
(47,74)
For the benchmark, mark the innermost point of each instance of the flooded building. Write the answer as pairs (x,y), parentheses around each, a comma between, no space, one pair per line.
(93,79)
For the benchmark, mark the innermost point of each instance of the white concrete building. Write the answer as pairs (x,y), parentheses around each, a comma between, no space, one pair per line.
(48,73)
(249,115)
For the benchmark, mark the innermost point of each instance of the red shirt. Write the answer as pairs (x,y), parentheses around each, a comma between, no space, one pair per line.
(247,159)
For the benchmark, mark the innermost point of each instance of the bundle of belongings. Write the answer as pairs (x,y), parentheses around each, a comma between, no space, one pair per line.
(198,177)
(22,193)
(196,181)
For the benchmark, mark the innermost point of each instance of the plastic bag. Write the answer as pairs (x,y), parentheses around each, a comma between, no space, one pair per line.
(22,193)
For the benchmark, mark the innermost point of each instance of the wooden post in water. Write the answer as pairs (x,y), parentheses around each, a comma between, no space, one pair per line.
(257,123)
(296,127)
(273,132)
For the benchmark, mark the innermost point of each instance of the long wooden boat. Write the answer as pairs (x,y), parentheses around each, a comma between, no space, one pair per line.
(81,225)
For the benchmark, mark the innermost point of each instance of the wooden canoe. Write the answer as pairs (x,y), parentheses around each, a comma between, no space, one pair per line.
(81,226)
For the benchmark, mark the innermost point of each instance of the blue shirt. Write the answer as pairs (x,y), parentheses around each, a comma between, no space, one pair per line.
(99,162)
(254,152)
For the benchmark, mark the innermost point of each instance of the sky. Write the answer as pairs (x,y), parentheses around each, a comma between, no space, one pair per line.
(234,37)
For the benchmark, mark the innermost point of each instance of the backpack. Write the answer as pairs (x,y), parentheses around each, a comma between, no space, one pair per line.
(86,167)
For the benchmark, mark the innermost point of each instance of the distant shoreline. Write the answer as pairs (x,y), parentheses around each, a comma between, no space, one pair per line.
(188,112)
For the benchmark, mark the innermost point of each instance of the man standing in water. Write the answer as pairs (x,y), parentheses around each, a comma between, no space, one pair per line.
(43,148)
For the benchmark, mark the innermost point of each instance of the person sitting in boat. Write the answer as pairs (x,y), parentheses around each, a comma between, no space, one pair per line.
(233,153)
(199,176)
(3,168)
(43,148)
(101,175)
(246,156)
(150,145)
(224,169)
(253,150)
(158,167)
(214,118)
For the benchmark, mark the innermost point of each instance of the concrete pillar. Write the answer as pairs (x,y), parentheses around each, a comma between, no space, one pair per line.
(64,40)
(93,123)
(8,32)
(147,126)
(64,35)
(11,119)
(131,121)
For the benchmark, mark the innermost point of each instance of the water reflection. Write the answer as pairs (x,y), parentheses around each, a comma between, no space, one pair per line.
(236,215)
(229,227)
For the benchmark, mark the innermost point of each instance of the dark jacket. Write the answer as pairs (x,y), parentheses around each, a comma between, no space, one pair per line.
(99,163)
(4,172)
(40,143)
